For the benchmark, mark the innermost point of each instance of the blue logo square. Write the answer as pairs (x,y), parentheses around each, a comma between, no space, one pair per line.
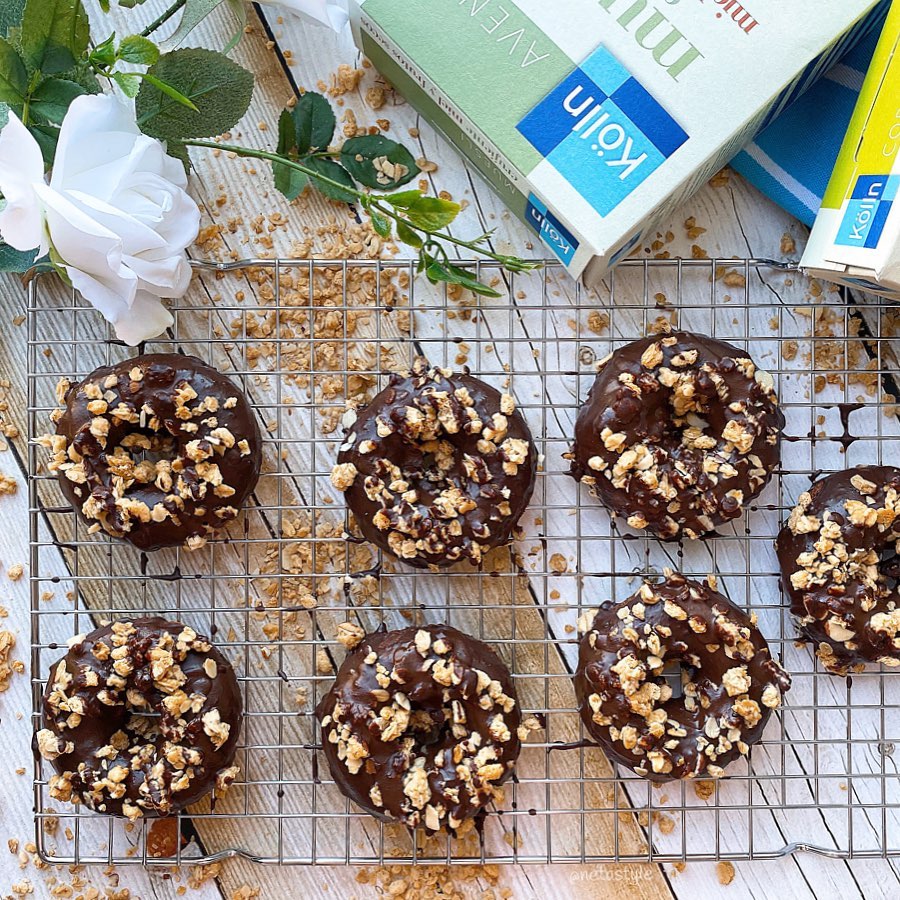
(868,210)
(602,131)
(552,232)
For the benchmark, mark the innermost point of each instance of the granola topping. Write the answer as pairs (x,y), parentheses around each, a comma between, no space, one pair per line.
(171,711)
(148,450)
(437,468)
(422,726)
(838,554)
(729,684)
(679,433)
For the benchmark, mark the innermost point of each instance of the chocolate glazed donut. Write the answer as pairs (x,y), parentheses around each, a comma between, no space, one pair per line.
(421,726)
(438,468)
(140,718)
(839,565)
(679,433)
(730,683)
(193,421)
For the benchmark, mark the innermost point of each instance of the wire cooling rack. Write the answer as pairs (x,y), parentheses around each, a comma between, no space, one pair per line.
(302,337)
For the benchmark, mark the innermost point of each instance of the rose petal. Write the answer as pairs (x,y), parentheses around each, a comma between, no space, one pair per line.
(91,254)
(21,166)
(146,319)
(95,144)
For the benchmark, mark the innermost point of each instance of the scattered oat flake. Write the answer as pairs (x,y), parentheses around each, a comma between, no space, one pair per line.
(433,882)
(725,872)
(8,484)
(558,563)
(7,642)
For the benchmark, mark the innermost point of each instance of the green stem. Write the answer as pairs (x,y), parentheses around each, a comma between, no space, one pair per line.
(163,18)
(366,199)
(249,152)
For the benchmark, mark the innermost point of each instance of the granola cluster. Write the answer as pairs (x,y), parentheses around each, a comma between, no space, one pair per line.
(140,718)
(438,468)
(729,683)
(422,726)
(160,450)
(678,435)
(838,553)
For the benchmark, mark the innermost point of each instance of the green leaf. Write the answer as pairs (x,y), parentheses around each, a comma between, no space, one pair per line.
(128,83)
(47,137)
(104,54)
(437,271)
(286,139)
(403,199)
(139,50)
(84,75)
(359,156)
(10,15)
(219,88)
(55,33)
(381,224)
(239,11)
(195,11)
(335,172)
(16,260)
(180,152)
(408,236)
(52,98)
(467,280)
(169,91)
(431,213)
(13,75)
(289,180)
(314,123)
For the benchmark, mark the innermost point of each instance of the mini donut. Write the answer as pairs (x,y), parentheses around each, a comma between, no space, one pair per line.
(730,682)
(140,718)
(839,567)
(197,429)
(421,726)
(679,433)
(438,468)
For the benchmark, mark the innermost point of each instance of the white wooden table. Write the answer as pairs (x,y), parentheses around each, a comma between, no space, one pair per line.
(285,55)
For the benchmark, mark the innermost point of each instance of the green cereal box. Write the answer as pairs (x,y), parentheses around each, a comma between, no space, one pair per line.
(594,119)
(856,238)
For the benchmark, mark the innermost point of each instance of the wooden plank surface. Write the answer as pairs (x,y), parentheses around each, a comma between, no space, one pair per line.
(739,223)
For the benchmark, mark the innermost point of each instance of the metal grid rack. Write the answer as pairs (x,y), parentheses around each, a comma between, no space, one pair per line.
(303,336)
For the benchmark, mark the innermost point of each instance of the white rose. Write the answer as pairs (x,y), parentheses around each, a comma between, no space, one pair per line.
(115,212)
(325,12)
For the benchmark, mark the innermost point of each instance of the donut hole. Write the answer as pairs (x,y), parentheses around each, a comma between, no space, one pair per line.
(436,472)
(144,456)
(889,567)
(680,419)
(676,674)
(436,463)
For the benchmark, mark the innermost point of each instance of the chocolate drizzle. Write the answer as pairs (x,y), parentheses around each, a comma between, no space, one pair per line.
(421,726)
(729,681)
(839,567)
(679,433)
(196,430)
(438,468)
(140,718)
